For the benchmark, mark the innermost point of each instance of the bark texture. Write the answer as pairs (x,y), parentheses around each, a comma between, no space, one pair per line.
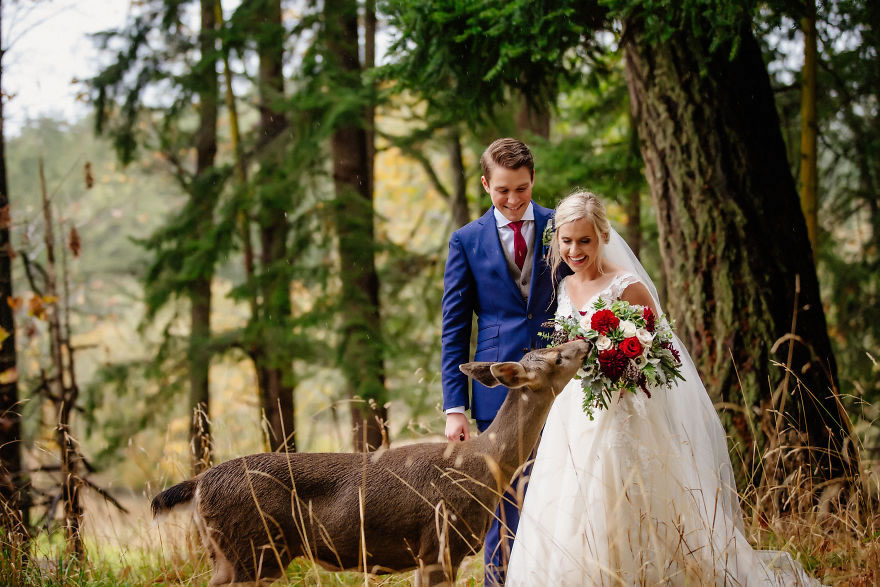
(362,360)
(734,243)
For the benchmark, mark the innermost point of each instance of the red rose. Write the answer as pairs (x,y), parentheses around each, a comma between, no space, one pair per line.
(631,347)
(612,363)
(648,315)
(603,321)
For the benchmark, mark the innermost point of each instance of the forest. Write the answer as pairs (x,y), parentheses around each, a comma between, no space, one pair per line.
(241,248)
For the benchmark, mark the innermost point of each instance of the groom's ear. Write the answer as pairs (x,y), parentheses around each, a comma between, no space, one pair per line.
(480,371)
(512,374)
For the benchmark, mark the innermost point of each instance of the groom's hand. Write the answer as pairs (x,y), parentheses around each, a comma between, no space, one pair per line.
(457,428)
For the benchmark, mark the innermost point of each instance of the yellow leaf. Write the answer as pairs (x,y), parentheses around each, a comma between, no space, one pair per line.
(8,376)
(4,334)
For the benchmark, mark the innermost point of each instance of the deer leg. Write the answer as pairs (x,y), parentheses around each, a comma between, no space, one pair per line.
(429,575)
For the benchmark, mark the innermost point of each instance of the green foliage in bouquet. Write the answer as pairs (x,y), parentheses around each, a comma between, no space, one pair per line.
(631,350)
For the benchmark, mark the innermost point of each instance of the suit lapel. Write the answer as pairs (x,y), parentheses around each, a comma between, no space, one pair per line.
(497,260)
(539,266)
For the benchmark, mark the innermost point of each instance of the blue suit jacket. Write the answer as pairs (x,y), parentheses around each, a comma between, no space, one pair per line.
(478,281)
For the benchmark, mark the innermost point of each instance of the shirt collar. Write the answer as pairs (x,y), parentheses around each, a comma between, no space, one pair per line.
(501,221)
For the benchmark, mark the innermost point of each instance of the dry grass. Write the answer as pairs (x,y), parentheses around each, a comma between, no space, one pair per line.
(839,548)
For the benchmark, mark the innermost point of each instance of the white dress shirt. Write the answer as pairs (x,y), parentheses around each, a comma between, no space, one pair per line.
(505,235)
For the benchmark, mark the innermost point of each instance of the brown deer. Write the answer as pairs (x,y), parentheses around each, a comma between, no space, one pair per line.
(423,506)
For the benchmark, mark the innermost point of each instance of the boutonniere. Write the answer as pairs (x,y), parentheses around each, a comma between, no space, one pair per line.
(547,237)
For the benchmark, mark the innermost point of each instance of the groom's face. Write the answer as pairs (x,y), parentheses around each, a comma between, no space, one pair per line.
(510,190)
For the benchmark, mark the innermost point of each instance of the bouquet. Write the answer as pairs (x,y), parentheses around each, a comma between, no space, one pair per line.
(631,350)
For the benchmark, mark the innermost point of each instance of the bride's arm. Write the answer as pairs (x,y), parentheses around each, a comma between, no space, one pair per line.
(637,294)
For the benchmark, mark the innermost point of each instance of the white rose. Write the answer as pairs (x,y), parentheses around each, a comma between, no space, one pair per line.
(644,337)
(585,321)
(628,328)
(603,343)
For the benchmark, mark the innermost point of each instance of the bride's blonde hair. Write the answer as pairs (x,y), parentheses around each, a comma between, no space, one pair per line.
(577,206)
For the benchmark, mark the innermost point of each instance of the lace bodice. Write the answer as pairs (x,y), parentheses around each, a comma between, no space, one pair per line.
(611,292)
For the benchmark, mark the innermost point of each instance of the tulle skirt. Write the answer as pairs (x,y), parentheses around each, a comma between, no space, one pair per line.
(641,495)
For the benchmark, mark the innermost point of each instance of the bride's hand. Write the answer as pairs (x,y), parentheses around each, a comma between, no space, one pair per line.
(457,428)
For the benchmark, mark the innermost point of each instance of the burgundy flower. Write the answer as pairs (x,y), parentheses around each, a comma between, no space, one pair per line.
(631,347)
(603,321)
(670,348)
(650,319)
(612,363)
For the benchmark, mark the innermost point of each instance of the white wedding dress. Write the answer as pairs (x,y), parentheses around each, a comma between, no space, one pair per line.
(641,495)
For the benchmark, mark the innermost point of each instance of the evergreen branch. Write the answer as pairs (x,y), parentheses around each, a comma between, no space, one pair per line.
(420,158)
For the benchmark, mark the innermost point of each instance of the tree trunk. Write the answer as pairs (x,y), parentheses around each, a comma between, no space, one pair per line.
(14,517)
(809,130)
(458,198)
(274,366)
(533,118)
(205,194)
(733,240)
(362,361)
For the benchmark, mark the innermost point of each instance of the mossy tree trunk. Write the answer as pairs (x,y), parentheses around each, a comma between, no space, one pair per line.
(362,350)
(734,243)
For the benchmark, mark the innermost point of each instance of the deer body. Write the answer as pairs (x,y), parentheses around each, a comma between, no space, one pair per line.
(424,506)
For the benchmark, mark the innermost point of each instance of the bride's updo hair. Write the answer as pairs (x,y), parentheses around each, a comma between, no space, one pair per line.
(577,206)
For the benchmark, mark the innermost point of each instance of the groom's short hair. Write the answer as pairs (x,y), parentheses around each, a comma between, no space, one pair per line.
(508,153)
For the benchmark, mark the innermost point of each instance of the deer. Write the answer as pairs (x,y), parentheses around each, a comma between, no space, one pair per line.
(422,506)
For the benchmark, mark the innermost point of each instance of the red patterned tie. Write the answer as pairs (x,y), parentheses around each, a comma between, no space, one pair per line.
(519,244)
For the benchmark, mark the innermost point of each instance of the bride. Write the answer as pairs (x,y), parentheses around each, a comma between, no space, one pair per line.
(643,494)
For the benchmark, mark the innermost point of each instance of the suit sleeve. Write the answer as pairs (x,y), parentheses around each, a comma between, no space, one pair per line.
(459,303)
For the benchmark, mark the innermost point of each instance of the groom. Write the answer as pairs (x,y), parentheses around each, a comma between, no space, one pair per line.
(496,270)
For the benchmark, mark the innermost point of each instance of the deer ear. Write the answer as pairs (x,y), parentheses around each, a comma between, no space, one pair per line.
(512,374)
(480,371)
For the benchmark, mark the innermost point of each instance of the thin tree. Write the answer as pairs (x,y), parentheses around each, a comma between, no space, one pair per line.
(200,289)
(809,170)
(273,363)
(13,481)
(362,351)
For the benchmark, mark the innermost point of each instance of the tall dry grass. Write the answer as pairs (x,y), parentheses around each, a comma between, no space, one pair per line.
(833,530)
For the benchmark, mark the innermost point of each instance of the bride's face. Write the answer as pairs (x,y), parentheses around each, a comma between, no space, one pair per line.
(579,244)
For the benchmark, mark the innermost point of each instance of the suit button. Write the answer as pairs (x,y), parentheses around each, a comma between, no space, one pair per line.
(524,282)
(529,316)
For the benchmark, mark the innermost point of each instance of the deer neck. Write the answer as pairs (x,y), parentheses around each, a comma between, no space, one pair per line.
(512,436)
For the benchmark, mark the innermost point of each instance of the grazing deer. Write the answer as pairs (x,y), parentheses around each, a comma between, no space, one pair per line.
(424,506)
